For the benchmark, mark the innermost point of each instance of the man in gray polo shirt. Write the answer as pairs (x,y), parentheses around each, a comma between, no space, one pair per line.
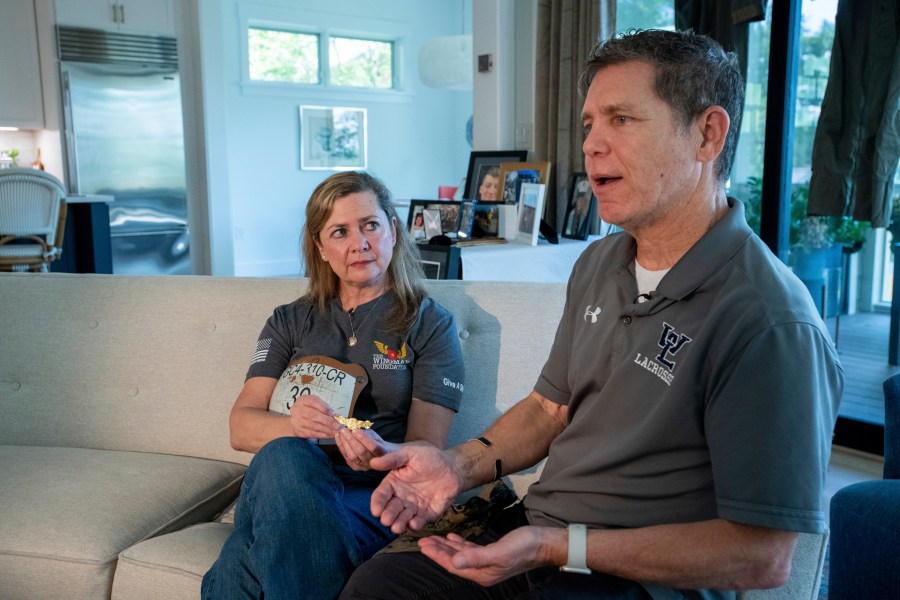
(687,404)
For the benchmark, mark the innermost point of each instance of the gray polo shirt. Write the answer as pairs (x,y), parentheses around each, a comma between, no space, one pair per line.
(427,364)
(715,398)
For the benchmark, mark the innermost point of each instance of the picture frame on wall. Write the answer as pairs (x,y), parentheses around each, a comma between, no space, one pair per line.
(531,207)
(333,138)
(484,165)
(428,218)
(509,178)
(581,205)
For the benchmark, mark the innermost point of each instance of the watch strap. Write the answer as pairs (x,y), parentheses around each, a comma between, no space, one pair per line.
(577,557)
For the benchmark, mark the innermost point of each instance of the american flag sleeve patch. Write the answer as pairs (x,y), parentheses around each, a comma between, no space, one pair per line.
(262,349)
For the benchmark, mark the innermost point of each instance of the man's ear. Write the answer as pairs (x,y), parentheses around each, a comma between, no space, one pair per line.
(713,124)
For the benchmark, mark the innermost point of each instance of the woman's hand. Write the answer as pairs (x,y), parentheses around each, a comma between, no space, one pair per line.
(312,417)
(359,446)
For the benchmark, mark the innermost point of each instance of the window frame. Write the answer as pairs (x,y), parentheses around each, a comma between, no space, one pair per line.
(395,82)
(315,23)
(297,31)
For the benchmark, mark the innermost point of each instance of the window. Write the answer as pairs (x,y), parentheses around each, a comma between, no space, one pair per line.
(295,57)
(283,56)
(887,271)
(361,63)
(645,14)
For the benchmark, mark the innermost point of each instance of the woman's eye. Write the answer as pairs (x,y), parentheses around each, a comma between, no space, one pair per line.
(338,233)
(372,226)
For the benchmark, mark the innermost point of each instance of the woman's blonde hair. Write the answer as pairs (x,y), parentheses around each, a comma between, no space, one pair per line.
(404,273)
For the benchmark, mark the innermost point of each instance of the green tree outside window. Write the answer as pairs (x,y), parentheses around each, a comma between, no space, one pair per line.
(283,56)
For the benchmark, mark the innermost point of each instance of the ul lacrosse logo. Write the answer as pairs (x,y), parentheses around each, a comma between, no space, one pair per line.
(592,315)
(671,342)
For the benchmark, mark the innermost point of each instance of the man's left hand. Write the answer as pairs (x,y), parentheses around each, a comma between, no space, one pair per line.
(516,552)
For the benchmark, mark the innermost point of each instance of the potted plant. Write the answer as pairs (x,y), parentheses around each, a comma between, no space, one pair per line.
(817,243)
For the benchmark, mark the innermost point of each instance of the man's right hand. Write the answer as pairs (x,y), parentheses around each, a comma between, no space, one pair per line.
(422,483)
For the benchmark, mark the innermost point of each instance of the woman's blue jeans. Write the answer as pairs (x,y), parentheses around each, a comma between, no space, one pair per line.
(301,526)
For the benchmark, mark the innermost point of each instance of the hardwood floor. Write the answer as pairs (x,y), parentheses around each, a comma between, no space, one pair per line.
(862,344)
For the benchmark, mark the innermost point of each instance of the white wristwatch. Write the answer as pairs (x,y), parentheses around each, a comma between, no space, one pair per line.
(577,559)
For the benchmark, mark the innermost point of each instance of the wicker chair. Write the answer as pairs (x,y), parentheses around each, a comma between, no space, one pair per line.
(32,219)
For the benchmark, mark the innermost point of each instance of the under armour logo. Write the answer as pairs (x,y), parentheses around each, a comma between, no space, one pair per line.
(592,315)
(671,342)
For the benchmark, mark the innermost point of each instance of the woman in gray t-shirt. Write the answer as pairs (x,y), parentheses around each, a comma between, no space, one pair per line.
(302,521)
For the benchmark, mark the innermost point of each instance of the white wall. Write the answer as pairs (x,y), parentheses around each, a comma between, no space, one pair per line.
(257,192)
(504,97)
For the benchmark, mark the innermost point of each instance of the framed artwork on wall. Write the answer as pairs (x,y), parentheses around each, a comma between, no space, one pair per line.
(332,138)
(483,175)
(580,207)
(510,180)
(531,206)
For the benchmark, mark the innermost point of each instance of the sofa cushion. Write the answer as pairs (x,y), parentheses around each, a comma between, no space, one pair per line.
(169,566)
(69,512)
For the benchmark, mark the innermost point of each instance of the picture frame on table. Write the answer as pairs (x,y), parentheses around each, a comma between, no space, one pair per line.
(432,223)
(509,178)
(485,220)
(428,218)
(439,262)
(333,138)
(580,207)
(466,219)
(484,164)
(531,207)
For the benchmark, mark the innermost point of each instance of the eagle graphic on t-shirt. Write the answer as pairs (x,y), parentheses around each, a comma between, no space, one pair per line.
(391,354)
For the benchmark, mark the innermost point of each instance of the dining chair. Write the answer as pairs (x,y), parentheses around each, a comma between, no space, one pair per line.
(32,219)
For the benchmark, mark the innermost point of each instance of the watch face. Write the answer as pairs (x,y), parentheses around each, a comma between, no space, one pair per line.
(337,383)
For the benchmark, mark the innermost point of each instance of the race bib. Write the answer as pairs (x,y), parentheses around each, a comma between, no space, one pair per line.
(336,383)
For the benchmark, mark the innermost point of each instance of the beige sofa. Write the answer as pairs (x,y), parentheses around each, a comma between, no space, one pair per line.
(114,399)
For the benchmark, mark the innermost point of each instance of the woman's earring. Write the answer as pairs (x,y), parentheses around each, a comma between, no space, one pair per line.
(324,259)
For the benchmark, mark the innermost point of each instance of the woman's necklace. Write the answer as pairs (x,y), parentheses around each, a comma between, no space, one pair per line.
(351,341)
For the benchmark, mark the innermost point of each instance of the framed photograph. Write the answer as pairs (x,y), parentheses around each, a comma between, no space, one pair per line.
(580,207)
(417,223)
(509,178)
(428,218)
(485,220)
(332,138)
(483,175)
(439,262)
(466,219)
(531,206)
(432,223)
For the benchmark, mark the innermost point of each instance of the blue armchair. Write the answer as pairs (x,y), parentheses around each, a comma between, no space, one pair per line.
(865,522)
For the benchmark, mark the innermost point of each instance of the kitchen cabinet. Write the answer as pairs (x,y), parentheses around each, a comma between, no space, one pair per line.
(21,97)
(150,17)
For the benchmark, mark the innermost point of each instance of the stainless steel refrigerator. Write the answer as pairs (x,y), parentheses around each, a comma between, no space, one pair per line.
(124,138)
